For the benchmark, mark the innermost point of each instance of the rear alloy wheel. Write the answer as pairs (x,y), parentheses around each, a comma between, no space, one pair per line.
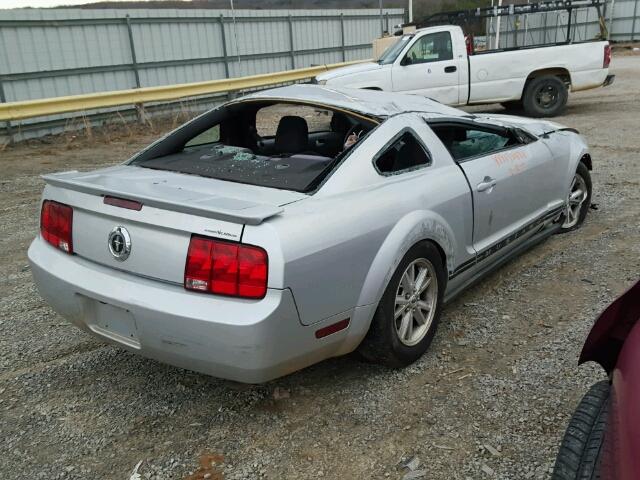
(416,299)
(578,199)
(545,96)
(406,319)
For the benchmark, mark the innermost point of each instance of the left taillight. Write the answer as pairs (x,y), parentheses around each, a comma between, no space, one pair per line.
(226,268)
(56,225)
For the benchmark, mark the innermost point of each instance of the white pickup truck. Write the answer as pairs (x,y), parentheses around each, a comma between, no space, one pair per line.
(435,62)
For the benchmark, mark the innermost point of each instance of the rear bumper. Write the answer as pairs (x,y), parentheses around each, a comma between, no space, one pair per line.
(243,340)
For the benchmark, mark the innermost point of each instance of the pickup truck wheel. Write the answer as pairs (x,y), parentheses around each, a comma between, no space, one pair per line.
(578,199)
(545,96)
(579,452)
(407,316)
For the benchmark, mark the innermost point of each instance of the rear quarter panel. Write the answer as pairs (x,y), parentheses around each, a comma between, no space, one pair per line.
(338,249)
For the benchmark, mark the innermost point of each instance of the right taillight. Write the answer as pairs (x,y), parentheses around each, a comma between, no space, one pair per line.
(607,56)
(226,268)
(468,41)
(56,225)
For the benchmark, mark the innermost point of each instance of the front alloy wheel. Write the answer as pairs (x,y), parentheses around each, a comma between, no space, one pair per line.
(578,200)
(578,194)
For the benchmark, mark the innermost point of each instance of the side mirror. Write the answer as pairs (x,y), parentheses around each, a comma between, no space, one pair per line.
(406,61)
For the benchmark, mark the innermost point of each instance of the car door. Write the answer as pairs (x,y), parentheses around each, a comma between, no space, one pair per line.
(508,173)
(428,68)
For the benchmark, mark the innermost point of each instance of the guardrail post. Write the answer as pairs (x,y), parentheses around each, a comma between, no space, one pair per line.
(292,51)
(7,123)
(134,65)
(225,54)
(132,47)
(342,40)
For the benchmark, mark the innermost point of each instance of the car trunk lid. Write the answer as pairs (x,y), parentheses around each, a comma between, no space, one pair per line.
(234,202)
(173,207)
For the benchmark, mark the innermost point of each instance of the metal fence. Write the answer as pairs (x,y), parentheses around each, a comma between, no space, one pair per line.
(622,19)
(51,53)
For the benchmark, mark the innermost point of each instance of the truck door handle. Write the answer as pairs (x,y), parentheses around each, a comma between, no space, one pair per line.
(487,184)
(450,69)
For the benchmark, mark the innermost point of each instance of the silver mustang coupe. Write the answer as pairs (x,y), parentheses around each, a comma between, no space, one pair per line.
(302,223)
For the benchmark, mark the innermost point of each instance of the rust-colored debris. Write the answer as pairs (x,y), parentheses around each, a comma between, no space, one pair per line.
(209,463)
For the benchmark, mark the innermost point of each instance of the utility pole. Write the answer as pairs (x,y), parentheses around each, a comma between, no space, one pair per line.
(410,9)
(381,22)
(498,27)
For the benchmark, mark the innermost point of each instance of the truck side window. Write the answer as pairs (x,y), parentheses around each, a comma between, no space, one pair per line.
(434,47)
(465,142)
(403,154)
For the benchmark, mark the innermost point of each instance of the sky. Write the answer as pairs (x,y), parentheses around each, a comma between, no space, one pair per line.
(42,3)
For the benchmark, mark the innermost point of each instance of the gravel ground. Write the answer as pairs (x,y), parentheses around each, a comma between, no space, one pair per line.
(490,399)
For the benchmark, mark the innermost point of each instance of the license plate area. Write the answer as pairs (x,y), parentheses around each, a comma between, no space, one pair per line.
(115,323)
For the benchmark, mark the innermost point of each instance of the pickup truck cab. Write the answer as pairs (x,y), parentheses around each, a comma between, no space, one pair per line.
(437,62)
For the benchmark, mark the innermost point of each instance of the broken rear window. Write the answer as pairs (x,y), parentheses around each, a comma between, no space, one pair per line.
(270,144)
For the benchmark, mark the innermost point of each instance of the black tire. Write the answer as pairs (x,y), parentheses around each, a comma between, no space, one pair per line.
(579,454)
(512,105)
(583,172)
(545,96)
(382,343)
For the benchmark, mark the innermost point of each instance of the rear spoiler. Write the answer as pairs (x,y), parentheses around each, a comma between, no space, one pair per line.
(219,208)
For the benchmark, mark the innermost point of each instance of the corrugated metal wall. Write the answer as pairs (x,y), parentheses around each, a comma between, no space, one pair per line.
(48,53)
(551,27)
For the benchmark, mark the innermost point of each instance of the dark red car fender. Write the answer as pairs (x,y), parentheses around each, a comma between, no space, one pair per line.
(610,331)
(621,448)
(614,342)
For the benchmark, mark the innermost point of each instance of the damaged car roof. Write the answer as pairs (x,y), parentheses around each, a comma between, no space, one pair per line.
(367,102)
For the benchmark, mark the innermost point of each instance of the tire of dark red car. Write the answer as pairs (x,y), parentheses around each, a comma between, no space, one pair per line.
(579,454)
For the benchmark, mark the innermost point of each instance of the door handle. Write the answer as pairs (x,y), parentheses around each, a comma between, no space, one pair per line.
(450,69)
(487,184)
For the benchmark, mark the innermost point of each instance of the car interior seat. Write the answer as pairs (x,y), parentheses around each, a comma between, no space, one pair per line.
(292,135)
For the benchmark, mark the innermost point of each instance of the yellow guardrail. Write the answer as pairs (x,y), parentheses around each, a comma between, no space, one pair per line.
(90,101)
